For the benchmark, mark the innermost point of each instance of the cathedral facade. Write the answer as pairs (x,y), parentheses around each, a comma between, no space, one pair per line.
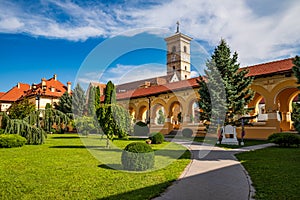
(169,102)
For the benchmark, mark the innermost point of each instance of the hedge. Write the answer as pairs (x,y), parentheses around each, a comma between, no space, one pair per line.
(285,139)
(11,140)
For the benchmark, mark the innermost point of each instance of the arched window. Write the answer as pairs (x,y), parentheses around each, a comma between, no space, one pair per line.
(173,68)
(185,76)
(184,49)
(185,68)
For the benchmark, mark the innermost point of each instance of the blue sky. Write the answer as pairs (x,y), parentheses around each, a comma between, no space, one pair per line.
(40,38)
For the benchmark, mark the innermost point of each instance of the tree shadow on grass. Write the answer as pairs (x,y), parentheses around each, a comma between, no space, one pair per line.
(65,137)
(147,192)
(75,147)
(111,166)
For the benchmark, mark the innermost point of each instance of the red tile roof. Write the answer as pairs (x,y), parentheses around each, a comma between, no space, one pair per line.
(255,70)
(270,67)
(158,89)
(1,94)
(59,89)
(15,93)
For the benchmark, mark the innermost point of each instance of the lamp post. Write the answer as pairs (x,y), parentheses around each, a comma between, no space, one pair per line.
(149,112)
(38,98)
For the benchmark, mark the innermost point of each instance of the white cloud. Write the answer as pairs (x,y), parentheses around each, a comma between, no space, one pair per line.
(128,73)
(194,74)
(256,31)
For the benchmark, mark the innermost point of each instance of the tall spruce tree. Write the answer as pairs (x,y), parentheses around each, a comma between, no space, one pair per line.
(65,103)
(91,107)
(296,106)
(110,93)
(223,73)
(79,101)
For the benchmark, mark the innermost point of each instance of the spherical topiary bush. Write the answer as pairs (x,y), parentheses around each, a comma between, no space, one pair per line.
(156,138)
(187,132)
(11,140)
(138,156)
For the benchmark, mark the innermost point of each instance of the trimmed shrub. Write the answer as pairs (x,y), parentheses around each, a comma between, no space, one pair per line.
(138,156)
(140,129)
(285,139)
(187,132)
(11,140)
(157,138)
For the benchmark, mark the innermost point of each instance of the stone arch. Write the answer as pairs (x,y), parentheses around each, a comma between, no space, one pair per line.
(258,104)
(156,105)
(142,109)
(155,115)
(291,83)
(175,113)
(193,110)
(291,98)
(132,110)
(284,99)
(270,106)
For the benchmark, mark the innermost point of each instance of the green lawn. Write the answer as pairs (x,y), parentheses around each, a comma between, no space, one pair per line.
(275,172)
(63,168)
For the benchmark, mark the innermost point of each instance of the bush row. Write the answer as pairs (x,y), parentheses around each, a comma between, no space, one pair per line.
(285,139)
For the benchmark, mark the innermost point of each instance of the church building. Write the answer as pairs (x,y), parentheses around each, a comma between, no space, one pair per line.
(174,97)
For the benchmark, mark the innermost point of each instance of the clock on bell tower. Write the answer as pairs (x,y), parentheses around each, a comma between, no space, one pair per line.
(178,56)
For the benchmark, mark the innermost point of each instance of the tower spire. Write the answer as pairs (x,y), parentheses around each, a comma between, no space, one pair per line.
(177,30)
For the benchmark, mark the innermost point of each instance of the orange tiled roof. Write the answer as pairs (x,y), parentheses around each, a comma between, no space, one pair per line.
(15,93)
(270,67)
(1,94)
(158,89)
(59,89)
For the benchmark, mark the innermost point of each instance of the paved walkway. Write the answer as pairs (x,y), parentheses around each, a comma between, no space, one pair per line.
(214,173)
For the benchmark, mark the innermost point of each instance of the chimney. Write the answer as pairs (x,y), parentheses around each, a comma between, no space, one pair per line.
(43,82)
(18,85)
(44,85)
(55,77)
(69,87)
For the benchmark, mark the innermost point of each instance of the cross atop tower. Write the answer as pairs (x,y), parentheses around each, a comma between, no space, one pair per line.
(177,30)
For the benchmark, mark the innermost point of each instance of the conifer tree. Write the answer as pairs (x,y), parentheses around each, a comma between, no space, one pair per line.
(115,121)
(65,103)
(78,101)
(91,107)
(161,117)
(110,93)
(223,72)
(296,106)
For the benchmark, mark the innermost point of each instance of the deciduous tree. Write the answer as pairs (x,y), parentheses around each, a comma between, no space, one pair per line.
(21,109)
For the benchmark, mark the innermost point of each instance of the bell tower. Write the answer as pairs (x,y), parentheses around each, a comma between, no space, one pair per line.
(178,56)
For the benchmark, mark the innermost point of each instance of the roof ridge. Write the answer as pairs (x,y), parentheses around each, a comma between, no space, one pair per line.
(271,62)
